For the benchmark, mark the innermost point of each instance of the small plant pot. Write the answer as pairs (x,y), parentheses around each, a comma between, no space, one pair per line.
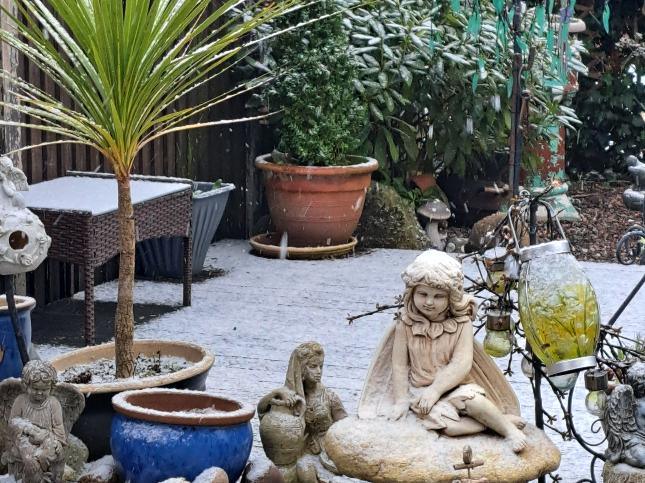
(164,257)
(10,361)
(93,426)
(164,433)
(316,205)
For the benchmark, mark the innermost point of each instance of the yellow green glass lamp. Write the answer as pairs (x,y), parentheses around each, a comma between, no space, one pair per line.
(558,308)
(499,340)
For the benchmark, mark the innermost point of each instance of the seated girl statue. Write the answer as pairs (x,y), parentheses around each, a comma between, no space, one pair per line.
(428,367)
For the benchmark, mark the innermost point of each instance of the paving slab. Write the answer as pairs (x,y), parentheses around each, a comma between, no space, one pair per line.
(254,315)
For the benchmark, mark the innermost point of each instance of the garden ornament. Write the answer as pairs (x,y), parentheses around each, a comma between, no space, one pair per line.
(37,416)
(624,420)
(23,241)
(431,389)
(428,367)
(633,196)
(435,212)
(295,418)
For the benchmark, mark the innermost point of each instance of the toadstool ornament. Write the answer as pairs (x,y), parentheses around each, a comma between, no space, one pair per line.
(23,241)
(434,211)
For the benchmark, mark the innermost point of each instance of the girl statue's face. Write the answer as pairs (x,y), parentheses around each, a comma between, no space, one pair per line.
(312,371)
(431,302)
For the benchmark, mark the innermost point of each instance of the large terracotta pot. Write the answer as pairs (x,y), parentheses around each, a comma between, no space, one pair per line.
(316,205)
(166,433)
(93,426)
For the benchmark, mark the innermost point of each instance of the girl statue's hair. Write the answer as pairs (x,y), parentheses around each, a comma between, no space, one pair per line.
(439,270)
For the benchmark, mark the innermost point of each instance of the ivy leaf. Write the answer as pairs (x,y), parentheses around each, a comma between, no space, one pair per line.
(376,112)
(405,75)
(382,79)
(379,149)
(393,148)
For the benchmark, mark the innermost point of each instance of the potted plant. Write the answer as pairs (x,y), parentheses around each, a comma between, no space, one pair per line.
(124,65)
(10,360)
(315,188)
(166,433)
(164,257)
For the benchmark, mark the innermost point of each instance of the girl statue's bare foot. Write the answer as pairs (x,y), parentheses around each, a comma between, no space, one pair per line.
(517,421)
(517,439)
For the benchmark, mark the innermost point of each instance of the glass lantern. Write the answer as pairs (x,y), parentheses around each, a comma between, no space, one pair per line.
(499,340)
(494,263)
(597,383)
(558,308)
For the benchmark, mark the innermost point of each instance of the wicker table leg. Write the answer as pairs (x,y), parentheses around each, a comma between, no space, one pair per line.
(88,270)
(188,270)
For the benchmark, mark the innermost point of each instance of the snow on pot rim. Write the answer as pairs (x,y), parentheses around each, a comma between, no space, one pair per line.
(264,163)
(225,187)
(200,359)
(182,407)
(22,303)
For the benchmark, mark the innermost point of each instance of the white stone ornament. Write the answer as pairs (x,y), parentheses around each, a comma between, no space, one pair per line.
(23,241)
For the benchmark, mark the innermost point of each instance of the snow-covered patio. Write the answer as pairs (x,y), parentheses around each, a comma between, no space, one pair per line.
(254,315)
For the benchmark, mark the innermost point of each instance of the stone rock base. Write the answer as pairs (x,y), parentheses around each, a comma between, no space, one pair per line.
(389,221)
(386,452)
(622,473)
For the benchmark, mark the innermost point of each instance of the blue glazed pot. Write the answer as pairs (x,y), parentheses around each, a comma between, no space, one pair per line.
(10,361)
(164,433)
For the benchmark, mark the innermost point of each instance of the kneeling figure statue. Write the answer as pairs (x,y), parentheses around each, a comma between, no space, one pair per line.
(295,418)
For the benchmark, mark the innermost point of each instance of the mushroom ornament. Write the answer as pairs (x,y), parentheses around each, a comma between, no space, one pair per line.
(435,212)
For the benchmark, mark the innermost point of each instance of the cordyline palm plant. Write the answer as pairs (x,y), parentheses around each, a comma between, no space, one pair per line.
(125,63)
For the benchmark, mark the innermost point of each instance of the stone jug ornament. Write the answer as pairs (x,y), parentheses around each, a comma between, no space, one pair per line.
(282,432)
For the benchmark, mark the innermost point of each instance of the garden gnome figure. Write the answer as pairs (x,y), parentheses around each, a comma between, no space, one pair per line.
(624,420)
(428,367)
(37,415)
(23,241)
(295,418)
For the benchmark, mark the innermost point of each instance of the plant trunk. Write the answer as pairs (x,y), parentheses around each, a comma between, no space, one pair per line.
(124,323)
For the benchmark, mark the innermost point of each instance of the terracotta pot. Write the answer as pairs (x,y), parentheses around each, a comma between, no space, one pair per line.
(316,205)
(93,426)
(164,433)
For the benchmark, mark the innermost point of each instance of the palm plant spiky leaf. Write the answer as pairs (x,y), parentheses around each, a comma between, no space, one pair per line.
(124,64)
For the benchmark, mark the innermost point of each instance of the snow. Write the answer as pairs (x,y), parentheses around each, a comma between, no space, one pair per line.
(101,469)
(191,416)
(96,195)
(254,316)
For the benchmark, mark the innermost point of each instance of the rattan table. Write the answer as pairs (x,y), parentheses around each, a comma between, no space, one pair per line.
(80,214)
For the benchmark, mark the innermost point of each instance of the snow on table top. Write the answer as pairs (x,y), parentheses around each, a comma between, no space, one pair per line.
(96,195)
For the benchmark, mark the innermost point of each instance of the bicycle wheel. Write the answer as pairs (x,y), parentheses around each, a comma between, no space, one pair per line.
(630,247)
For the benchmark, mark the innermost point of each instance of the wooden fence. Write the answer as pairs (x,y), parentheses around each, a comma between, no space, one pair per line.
(208,154)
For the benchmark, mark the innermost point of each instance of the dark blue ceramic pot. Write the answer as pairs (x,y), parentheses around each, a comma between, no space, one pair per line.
(10,361)
(164,433)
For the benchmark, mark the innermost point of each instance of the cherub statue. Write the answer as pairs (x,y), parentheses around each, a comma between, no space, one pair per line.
(295,418)
(12,180)
(429,368)
(624,419)
(37,415)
